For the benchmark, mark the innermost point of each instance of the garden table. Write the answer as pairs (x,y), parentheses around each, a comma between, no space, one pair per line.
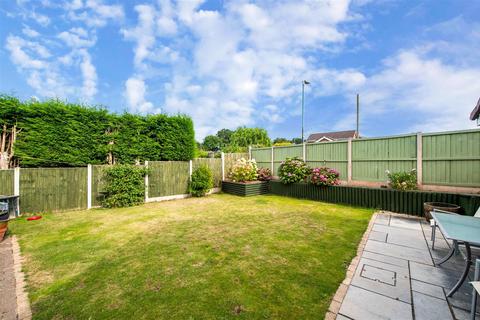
(461,230)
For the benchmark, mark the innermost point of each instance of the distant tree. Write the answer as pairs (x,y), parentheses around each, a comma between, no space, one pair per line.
(244,137)
(297,140)
(225,136)
(211,143)
(280,140)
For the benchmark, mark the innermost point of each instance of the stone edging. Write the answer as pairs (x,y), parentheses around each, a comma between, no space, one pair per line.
(342,289)
(23,305)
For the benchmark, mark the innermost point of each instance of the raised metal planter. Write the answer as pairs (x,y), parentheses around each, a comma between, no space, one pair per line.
(245,189)
(410,202)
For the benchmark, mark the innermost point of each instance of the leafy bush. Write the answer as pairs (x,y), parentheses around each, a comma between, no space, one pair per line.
(201,182)
(264,174)
(125,186)
(324,177)
(293,170)
(402,180)
(243,170)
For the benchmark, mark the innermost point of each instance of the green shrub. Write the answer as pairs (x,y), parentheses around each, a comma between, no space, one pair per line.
(264,174)
(201,182)
(402,180)
(324,177)
(125,186)
(243,170)
(293,170)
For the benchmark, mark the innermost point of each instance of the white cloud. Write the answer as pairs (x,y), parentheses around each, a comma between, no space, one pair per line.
(135,90)
(89,74)
(94,13)
(440,94)
(21,52)
(77,37)
(29,32)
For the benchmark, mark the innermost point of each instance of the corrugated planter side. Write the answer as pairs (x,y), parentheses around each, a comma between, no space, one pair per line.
(410,202)
(245,189)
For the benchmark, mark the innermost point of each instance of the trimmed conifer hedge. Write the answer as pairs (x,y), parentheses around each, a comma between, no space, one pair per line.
(54,133)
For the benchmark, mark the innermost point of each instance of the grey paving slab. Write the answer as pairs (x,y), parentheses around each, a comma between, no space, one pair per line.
(463,298)
(385,259)
(397,251)
(342,317)
(461,314)
(418,234)
(8,299)
(430,308)
(428,289)
(407,223)
(382,219)
(406,240)
(437,276)
(361,304)
(386,279)
(378,236)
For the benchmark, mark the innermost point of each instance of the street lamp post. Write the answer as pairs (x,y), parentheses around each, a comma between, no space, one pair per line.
(304,82)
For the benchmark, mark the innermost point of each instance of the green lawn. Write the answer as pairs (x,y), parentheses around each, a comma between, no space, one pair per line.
(218,257)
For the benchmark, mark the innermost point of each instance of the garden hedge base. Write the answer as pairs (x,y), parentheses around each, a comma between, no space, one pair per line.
(410,202)
(245,189)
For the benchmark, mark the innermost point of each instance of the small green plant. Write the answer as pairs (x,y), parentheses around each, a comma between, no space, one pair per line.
(201,182)
(264,174)
(293,170)
(125,186)
(402,180)
(243,170)
(324,177)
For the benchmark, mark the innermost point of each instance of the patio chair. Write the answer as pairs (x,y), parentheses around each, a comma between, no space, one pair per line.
(476,289)
(433,225)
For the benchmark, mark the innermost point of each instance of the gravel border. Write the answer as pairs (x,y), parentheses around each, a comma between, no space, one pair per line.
(23,305)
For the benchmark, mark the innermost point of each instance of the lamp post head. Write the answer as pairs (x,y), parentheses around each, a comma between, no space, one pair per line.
(306,82)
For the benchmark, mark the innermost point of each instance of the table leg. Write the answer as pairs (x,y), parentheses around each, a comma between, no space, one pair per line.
(474,292)
(449,254)
(468,263)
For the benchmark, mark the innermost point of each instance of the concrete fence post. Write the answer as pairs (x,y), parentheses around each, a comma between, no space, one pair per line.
(223,166)
(89,186)
(146,182)
(16,181)
(190,170)
(271,165)
(349,157)
(419,159)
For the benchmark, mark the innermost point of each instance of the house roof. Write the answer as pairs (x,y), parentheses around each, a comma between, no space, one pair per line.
(337,135)
(475,112)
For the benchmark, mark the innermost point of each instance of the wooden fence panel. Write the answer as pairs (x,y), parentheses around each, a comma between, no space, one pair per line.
(53,189)
(263,157)
(329,154)
(6,181)
(452,158)
(215,165)
(98,184)
(284,152)
(372,157)
(168,178)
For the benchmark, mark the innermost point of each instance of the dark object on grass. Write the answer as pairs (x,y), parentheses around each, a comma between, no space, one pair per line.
(33,218)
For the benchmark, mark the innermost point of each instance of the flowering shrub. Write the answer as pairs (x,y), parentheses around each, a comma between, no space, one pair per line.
(324,177)
(243,170)
(402,180)
(293,170)
(264,174)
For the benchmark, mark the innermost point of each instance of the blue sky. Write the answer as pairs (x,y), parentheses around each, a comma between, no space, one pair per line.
(415,64)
